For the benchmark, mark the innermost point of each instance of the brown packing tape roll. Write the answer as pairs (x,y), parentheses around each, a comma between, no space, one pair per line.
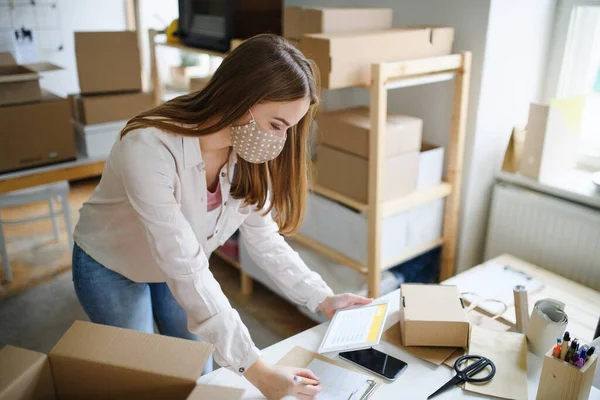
(521,308)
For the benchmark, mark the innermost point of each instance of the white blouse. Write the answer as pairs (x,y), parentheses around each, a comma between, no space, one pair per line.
(147,220)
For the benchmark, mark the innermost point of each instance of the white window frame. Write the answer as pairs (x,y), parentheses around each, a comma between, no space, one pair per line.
(557,60)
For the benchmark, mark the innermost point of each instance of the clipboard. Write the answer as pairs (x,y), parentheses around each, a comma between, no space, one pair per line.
(355,328)
(300,357)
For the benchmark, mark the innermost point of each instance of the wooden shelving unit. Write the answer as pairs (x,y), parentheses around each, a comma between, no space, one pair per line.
(393,75)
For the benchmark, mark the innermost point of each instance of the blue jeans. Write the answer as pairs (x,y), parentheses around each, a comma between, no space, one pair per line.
(109,298)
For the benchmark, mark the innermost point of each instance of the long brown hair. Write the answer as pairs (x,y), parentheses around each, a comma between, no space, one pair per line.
(265,68)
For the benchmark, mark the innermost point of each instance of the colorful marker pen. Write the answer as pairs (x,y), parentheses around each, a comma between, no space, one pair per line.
(583,353)
(556,350)
(579,363)
(590,352)
(572,349)
(565,345)
(576,356)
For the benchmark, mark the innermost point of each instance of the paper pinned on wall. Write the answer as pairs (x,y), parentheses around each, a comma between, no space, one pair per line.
(493,281)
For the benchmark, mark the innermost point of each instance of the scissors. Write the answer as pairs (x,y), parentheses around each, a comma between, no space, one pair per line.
(468,373)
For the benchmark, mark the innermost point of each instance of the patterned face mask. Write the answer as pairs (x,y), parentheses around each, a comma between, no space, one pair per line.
(255,145)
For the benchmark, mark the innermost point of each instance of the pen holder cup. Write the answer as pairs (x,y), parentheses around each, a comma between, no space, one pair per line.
(563,381)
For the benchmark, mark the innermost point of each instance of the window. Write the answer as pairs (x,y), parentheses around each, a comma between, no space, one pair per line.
(575,68)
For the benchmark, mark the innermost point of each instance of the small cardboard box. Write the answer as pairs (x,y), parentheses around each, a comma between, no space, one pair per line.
(298,21)
(432,315)
(37,133)
(344,59)
(561,380)
(98,109)
(348,174)
(101,362)
(20,83)
(349,129)
(108,62)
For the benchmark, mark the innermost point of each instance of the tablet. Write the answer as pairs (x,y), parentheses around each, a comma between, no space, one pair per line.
(355,328)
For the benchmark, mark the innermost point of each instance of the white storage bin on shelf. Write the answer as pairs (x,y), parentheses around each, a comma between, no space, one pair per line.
(96,141)
(345,230)
(339,277)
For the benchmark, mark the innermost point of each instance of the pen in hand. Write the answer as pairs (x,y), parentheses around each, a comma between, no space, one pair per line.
(304,381)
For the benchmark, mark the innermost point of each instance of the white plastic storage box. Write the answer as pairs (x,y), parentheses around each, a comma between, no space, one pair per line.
(431,166)
(345,230)
(96,141)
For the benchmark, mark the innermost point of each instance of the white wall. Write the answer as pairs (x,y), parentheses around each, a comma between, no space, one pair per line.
(515,61)
(509,41)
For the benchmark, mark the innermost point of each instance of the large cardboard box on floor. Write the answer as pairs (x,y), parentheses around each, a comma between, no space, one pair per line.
(432,315)
(21,83)
(298,21)
(34,134)
(100,362)
(98,109)
(108,62)
(344,59)
(342,160)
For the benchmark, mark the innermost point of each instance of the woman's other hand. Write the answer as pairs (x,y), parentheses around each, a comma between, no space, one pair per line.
(276,382)
(336,302)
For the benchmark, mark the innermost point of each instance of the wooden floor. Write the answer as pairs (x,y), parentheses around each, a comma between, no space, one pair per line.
(37,258)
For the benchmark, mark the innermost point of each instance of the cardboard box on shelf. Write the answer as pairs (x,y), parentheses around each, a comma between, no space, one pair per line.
(34,134)
(348,174)
(349,129)
(298,21)
(432,315)
(431,166)
(108,62)
(21,83)
(344,59)
(98,109)
(103,362)
(345,230)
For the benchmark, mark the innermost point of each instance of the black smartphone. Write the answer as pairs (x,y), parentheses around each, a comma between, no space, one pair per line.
(377,362)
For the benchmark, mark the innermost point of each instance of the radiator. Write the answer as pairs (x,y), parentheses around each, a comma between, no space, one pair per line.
(558,235)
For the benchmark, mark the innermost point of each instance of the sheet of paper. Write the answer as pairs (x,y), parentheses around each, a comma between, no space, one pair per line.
(338,383)
(493,281)
(355,326)
(509,352)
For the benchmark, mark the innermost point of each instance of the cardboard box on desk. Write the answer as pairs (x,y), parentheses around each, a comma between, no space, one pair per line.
(344,59)
(98,109)
(100,362)
(37,133)
(298,21)
(21,83)
(108,62)
(432,315)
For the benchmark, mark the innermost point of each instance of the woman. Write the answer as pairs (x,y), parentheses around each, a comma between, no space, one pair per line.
(181,180)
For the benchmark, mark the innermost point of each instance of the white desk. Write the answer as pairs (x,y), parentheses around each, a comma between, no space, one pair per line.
(418,381)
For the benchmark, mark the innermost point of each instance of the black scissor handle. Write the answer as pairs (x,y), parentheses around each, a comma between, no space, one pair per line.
(468,373)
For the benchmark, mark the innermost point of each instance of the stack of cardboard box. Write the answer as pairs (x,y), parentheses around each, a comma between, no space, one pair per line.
(300,21)
(110,82)
(36,125)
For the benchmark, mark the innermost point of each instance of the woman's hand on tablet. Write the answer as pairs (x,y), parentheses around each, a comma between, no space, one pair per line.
(336,302)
